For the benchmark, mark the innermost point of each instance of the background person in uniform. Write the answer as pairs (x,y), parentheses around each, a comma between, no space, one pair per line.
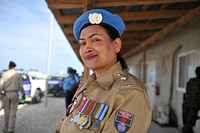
(112,100)
(11,84)
(76,76)
(69,86)
(191,104)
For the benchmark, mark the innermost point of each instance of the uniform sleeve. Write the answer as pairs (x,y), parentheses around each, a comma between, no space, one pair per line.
(131,115)
(1,87)
(72,80)
(66,84)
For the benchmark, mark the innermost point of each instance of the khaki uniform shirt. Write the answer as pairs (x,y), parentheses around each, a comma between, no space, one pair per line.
(6,75)
(11,83)
(127,101)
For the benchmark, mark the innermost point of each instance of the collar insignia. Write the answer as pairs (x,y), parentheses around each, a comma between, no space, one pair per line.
(95,18)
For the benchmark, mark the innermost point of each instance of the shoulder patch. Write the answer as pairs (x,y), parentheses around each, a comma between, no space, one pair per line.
(123,121)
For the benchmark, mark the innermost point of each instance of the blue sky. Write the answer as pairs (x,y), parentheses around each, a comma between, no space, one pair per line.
(24,29)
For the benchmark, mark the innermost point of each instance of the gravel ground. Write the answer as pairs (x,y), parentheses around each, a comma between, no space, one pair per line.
(38,118)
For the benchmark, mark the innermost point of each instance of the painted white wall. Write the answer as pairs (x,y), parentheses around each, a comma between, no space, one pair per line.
(189,38)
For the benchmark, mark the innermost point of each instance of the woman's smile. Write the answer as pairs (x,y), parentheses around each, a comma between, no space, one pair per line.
(90,56)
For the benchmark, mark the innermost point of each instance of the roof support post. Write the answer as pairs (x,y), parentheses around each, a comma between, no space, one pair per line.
(87,5)
(144,65)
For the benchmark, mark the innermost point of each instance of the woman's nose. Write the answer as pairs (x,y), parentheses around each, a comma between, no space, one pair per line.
(86,48)
(88,45)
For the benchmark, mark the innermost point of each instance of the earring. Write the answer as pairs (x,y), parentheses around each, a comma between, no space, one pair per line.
(117,51)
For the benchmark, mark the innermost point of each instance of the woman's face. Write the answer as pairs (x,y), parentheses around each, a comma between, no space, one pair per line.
(97,50)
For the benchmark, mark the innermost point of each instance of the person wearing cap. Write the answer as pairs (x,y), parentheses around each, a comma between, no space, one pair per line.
(69,86)
(112,100)
(10,85)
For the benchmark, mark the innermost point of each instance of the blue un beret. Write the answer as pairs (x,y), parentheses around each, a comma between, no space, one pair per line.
(98,16)
(70,68)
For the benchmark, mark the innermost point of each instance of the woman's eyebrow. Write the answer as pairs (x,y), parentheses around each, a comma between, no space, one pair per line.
(91,36)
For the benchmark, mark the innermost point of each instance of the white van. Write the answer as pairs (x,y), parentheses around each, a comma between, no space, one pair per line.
(34,84)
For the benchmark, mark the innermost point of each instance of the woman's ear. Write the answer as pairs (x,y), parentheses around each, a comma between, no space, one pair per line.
(117,45)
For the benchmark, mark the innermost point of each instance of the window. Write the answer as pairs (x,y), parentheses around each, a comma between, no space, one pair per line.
(24,76)
(186,69)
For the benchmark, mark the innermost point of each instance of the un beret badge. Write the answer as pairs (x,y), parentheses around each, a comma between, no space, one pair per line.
(95,18)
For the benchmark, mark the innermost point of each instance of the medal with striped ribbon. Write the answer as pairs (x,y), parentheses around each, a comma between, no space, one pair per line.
(90,110)
(94,109)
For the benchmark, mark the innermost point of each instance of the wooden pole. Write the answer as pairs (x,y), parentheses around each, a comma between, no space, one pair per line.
(87,5)
(144,65)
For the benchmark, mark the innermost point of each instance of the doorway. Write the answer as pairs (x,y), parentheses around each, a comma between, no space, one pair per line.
(151,81)
(186,65)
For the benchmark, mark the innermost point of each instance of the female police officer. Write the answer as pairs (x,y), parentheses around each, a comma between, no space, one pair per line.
(112,100)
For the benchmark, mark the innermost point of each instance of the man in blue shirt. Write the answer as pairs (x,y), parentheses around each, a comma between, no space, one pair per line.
(69,86)
(76,77)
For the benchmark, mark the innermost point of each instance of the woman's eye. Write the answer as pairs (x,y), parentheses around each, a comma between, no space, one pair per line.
(82,43)
(95,40)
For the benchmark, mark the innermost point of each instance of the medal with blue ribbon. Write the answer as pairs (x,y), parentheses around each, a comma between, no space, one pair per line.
(90,112)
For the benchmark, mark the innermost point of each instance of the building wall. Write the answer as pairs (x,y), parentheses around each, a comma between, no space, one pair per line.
(162,53)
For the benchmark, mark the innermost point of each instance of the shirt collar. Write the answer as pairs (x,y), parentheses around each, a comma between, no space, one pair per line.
(107,78)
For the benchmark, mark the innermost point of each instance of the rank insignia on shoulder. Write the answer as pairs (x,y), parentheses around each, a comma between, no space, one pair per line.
(123,121)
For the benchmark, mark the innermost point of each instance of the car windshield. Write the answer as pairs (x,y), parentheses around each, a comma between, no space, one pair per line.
(56,78)
(24,76)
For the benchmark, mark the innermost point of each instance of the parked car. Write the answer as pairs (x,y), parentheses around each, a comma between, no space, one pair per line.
(34,85)
(1,74)
(55,86)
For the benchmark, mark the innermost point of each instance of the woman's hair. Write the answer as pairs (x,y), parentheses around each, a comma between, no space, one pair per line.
(113,34)
(122,62)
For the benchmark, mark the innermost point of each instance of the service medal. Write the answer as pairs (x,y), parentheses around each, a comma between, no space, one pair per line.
(80,120)
(76,118)
(84,123)
(91,113)
(88,124)
(95,125)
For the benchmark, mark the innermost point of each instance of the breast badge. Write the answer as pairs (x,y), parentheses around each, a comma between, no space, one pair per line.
(123,121)
(90,115)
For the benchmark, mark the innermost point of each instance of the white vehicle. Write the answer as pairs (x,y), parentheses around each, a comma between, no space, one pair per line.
(34,84)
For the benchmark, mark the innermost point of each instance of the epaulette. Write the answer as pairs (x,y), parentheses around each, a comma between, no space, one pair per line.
(125,80)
